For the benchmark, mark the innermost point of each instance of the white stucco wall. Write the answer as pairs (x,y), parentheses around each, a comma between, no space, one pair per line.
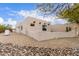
(40,36)
(37,33)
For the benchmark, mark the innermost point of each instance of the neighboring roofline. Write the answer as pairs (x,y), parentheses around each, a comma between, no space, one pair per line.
(35,18)
(24,20)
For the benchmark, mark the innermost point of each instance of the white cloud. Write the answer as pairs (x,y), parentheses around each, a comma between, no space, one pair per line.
(5,8)
(1,20)
(33,13)
(10,21)
(60,21)
(11,14)
(25,13)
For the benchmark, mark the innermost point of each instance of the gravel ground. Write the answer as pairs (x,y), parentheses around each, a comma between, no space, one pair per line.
(22,45)
(24,40)
(15,50)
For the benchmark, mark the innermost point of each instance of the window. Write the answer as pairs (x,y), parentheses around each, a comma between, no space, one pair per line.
(48,24)
(68,29)
(32,24)
(44,27)
(21,27)
(39,22)
(44,23)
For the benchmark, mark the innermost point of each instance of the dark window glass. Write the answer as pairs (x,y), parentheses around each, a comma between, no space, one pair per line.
(33,21)
(48,24)
(44,27)
(32,24)
(39,22)
(68,29)
(44,23)
(21,27)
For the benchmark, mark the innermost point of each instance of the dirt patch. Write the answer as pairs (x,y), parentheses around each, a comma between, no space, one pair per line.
(24,40)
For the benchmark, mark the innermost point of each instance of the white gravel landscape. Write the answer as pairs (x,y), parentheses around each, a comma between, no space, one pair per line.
(24,40)
(15,50)
(22,45)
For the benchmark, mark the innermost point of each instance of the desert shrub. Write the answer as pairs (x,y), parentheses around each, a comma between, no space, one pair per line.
(3,28)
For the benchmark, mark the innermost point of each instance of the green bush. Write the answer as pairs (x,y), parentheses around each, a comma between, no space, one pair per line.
(3,28)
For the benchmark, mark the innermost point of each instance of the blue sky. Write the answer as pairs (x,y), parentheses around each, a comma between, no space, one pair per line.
(12,8)
(11,13)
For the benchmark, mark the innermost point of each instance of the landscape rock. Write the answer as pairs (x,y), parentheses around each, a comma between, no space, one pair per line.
(15,50)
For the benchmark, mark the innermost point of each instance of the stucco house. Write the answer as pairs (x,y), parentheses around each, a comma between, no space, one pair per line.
(43,30)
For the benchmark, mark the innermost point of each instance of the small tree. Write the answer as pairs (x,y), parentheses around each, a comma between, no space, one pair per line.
(9,27)
(71,14)
(3,28)
(52,8)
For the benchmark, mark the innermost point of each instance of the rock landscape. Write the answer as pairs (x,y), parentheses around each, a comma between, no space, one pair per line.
(21,45)
(15,50)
